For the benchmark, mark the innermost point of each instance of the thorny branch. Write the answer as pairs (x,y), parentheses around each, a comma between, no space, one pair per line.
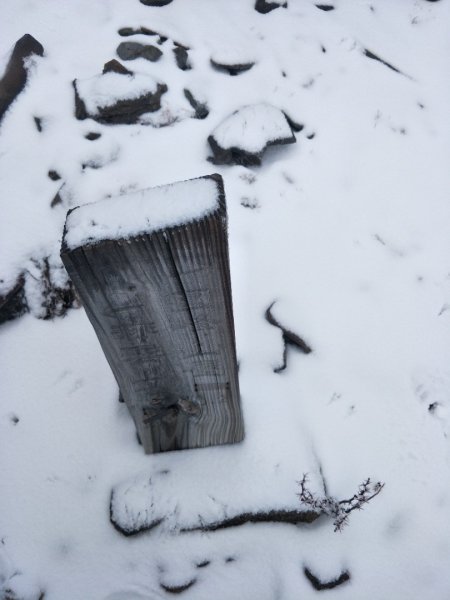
(339,510)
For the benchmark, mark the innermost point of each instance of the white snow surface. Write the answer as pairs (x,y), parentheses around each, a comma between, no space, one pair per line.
(252,128)
(101,91)
(140,212)
(347,231)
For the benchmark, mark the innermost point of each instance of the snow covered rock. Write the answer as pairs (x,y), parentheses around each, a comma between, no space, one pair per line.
(243,137)
(116,98)
(15,76)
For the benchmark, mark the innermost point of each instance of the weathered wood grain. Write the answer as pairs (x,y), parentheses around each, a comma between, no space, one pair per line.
(161,306)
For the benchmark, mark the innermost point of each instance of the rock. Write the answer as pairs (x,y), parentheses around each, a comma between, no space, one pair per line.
(110,99)
(133,50)
(182,57)
(114,66)
(178,589)
(92,136)
(264,7)
(201,110)
(13,303)
(127,31)
(325,7)
(325,585)
(38,123)
(155,2)
(242,138)
(56,200)
(294,125)
(232,69)
(54,175)
(15,76)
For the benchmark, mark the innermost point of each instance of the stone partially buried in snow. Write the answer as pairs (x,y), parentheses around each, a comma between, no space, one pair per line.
(133,50)
(264,7)
(117,98)
(16,73)
(242,138)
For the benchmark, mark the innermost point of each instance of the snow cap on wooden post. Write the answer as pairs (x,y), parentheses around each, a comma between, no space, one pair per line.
(152,270)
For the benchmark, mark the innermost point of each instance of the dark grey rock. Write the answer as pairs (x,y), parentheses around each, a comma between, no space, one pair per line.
(232,69)
(133,50)
(38,123)
(177,589)
(233,155)
(158,3)
(264,7)
(127,31)
(325,7)
(182,57)
(92,136)
(54,175)
(56,199)
(294,125)
(201,110)
(15,76)
(114,66)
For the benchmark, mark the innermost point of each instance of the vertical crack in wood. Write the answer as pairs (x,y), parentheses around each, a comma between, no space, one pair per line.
(186,299)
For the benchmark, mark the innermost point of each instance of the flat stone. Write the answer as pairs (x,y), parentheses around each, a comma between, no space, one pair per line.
(133,50)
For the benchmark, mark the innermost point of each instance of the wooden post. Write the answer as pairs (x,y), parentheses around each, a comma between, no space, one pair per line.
(160,303)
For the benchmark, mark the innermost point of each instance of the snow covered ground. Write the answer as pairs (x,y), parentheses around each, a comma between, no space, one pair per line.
(344,233)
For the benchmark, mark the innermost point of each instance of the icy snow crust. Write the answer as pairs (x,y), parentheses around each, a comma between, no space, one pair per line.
(105,90)
(346,231)
(141,212)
